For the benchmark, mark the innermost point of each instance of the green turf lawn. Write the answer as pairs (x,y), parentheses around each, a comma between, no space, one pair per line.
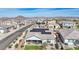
(32,47)
(76,48)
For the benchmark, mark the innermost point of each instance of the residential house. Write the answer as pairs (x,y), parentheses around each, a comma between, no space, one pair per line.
(40,36)
(52,24)
(68,24)
(71,36)
(3,29)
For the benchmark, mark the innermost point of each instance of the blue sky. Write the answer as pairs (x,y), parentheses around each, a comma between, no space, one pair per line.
(54,12)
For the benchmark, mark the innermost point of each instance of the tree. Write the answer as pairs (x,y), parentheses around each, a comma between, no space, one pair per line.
(16,45)
(22,46)
(78,26)
(74,20)
(10,46)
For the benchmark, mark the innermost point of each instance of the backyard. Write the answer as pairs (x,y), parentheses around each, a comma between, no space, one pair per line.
(32,47)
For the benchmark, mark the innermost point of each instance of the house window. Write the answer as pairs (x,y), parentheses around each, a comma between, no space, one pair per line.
(77,41)
(70,40)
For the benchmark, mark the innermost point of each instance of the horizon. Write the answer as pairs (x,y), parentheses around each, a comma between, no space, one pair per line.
(39,12)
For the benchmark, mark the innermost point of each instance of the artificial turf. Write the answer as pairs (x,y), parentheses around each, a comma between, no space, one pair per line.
(32,47)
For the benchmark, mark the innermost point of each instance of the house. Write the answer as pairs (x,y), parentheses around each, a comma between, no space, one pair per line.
(52,24)
(39,39)
(3,29)
(41,24)
(40,36)
(71,36)
(6,28)
(68,24)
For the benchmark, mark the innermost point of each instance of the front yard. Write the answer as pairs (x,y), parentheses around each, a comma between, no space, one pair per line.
(76,48)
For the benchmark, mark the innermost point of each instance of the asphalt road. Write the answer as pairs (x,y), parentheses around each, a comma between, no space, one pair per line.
(4,43)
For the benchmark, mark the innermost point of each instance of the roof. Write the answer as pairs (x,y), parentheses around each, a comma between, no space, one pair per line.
(69,22)
(73,35)
(33,38)
(5,26)
(2,28)
(65,32)
(42,30)
(39,35)
(70,33)
(38,30)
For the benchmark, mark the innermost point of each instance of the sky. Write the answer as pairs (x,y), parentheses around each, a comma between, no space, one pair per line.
(30,12)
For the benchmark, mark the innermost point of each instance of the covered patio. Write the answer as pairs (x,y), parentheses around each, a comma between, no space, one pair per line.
(34,40)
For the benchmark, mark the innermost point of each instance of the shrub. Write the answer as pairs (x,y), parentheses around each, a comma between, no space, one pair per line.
(16,45)
(10,46)
(22,46)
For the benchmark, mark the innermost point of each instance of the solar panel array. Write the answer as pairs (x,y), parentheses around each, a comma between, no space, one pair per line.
(45,32)
(40,30)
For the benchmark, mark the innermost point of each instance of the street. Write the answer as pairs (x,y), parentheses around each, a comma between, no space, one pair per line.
(7,40)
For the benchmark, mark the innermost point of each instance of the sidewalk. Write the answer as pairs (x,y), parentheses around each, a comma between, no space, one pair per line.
(17,42)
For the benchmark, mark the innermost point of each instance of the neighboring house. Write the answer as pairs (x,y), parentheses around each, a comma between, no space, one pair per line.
(3,30)
(68,24)
(71,36)
(6,28)
(52,24)
(41,24)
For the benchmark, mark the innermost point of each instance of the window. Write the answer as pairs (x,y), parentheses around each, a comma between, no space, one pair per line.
(77,41)
(70,40)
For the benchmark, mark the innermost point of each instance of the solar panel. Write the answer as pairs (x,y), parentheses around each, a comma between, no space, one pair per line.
(45,32)
(37,30)
(40,30)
